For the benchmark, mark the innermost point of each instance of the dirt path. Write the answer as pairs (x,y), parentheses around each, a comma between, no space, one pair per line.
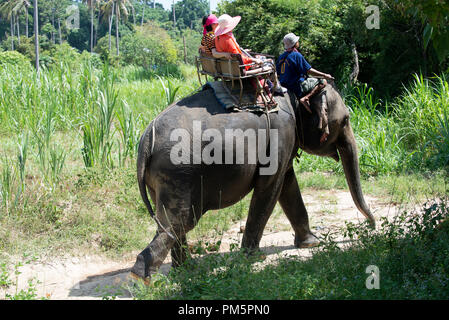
(92,277)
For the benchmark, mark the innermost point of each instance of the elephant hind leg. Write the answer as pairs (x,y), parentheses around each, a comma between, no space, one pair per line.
(171,235)
(151,258)
(179,251)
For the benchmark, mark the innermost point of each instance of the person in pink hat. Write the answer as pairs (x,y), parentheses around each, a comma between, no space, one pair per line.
(225,40)
(210,24)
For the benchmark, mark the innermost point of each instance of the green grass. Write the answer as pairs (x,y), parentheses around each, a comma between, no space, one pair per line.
(67,159)
(411,254)
(67,162)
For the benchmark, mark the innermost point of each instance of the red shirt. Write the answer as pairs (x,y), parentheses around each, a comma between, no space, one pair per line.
(227,43)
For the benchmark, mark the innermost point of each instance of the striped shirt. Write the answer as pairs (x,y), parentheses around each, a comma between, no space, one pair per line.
(208,41)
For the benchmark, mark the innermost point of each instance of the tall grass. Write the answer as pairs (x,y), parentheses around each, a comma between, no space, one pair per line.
(129,128)
(422,112)
(410,133)
(97,127)
(376,130)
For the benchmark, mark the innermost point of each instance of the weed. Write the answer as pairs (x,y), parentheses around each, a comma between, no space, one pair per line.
(410,252)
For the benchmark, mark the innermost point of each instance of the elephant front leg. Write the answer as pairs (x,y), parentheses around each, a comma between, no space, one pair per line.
(293,206)
(262,205)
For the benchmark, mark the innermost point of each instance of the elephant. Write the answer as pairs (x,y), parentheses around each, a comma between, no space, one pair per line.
(183,191)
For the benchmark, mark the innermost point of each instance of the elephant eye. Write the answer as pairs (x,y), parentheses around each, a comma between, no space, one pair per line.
(345,121)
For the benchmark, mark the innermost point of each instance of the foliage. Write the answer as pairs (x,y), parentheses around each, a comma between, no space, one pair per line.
(435,17)
(14,58)
(149,47)
(407,134)
(145,10)
(192,41)
(330,29)
(97,127)
(410,253)
(189,13)
(102,48)
(423,111)
(77,39)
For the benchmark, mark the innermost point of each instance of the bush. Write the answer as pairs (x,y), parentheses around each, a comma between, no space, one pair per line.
(14,58)
(102,47)
(193,41)
(92,58)
(149,47)
(64,53)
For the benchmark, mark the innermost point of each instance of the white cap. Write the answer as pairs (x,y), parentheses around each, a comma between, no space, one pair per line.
(290,40)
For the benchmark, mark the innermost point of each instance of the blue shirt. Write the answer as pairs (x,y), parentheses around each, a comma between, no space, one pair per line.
(292,68)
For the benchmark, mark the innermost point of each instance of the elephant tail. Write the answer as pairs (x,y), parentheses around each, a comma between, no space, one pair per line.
(143,161)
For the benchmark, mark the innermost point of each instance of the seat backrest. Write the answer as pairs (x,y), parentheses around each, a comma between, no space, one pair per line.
(209,64)
(231,67)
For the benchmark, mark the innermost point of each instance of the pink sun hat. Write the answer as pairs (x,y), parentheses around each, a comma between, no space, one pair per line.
(226,23)
(210,20)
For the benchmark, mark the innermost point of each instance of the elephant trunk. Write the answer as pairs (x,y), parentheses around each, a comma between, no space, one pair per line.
(347,149)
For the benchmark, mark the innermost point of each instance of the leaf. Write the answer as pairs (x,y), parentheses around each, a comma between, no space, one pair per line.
(427,35)
(441,45)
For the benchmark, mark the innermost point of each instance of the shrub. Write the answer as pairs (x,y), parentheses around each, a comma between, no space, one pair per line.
(149,47)
(64,53)
(193,40)
(14,58)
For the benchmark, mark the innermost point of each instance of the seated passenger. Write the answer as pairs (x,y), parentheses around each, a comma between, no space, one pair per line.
(293,71)
(225,41)
(210,23)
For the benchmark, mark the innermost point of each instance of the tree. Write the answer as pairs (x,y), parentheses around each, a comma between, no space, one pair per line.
(92,4)
(21,5)
(107,10)
(11,10)
(36,34)
(121,10)
(334,36)
(189,12)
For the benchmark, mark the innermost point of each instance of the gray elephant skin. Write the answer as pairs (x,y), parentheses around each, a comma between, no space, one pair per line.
(183,192)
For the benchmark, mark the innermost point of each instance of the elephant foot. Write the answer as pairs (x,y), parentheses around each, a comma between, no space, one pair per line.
(141,269)
(135,277)
(255,255)
(309,241)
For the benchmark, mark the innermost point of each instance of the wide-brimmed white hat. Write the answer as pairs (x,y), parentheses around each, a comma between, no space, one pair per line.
(290,40)
(226,23)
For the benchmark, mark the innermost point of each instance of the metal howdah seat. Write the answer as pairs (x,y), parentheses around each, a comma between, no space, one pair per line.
(231,70)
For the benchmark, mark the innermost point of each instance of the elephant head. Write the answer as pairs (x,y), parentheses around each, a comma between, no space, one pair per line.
(340,143)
